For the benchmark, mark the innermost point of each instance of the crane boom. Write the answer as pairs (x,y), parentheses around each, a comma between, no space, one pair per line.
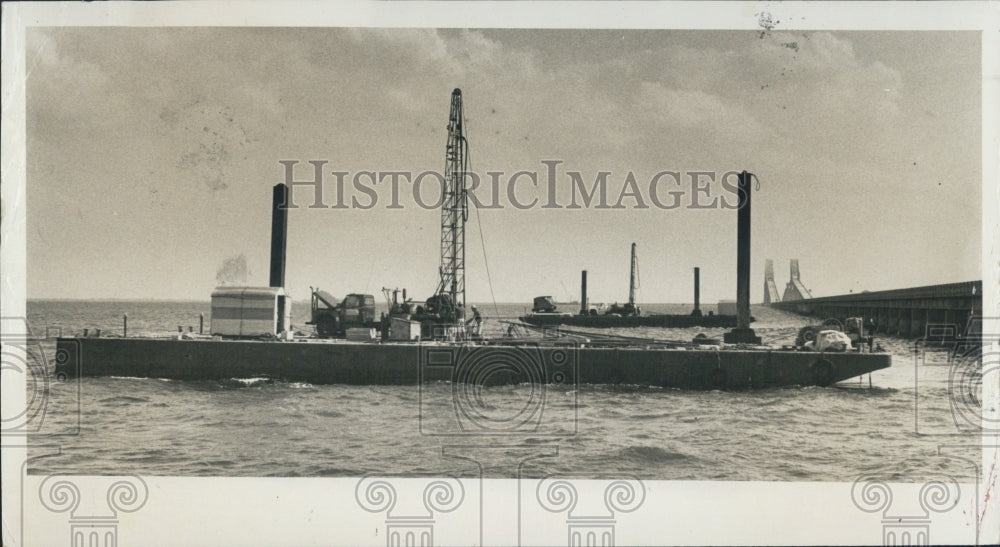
(454,208)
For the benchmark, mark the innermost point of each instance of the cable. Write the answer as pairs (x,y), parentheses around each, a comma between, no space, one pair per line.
(482,239)
(489,277)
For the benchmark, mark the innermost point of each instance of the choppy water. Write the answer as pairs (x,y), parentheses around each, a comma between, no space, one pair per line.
(247,427)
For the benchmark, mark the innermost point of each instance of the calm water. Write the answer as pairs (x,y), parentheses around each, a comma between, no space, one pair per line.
(247,427)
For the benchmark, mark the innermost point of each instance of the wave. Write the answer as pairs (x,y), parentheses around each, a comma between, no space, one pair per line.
(538,440)
(656,416)
(124,399)
(247,382)
(651,454)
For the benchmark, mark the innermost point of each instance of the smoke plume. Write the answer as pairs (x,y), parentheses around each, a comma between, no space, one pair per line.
(233,271)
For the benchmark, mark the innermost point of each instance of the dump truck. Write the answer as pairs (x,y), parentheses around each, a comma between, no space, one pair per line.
(332,318)
(543,304)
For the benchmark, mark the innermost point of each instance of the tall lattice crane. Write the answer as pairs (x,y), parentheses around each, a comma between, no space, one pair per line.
(450,294)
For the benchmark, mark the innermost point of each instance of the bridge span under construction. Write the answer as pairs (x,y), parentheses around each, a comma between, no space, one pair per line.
(932,312)
(794,290)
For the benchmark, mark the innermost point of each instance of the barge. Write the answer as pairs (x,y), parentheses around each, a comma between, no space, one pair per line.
(669,321)
(252,336)
(487,363)
(544,311)
(548,357)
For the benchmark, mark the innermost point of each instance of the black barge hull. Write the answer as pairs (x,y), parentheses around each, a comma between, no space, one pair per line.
(417,363)
(615,321)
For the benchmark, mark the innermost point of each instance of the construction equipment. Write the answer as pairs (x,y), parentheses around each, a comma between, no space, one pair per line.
(853,328)
(442,315)
(397,307)
(446,308)
(543,304)
(333,318)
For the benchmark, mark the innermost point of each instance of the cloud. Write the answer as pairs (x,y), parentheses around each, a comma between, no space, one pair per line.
(692,109)
(60,83)
(828,75)
(455,54)
(119,108)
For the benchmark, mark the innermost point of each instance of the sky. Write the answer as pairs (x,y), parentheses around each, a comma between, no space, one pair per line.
(152,153)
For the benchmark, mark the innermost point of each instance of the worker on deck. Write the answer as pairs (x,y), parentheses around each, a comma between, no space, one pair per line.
(477,319)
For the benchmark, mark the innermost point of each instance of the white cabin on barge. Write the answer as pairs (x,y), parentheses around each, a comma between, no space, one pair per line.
(250,312)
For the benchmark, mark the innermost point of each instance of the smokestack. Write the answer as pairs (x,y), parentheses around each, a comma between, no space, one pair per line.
(743,254)
(632,279)
(583,292)
(743,334)
(697,293)
(279,234)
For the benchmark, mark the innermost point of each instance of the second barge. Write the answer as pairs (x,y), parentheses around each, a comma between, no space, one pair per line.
(545,312)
